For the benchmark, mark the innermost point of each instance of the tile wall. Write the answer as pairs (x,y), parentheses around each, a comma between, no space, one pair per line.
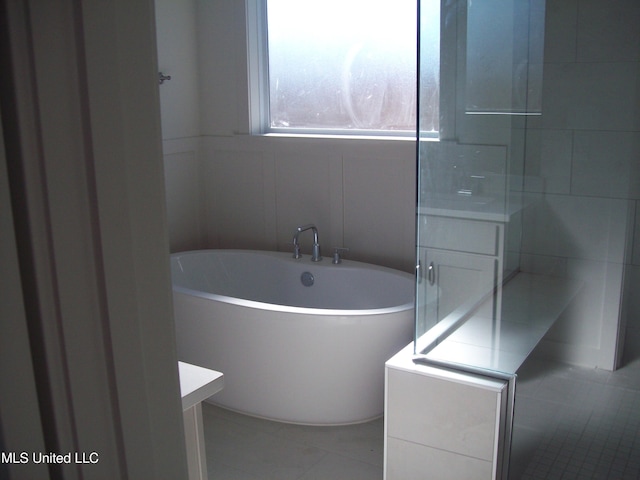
(583,158)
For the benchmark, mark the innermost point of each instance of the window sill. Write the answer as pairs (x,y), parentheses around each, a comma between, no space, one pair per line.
(407,138)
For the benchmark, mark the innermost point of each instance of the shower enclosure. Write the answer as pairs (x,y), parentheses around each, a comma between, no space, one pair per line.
(525,222)
(471,197)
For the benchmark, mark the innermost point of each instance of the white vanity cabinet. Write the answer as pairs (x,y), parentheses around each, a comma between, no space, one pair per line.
(461,261)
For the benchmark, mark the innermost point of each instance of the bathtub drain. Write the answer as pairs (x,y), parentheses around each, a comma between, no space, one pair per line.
(307,279)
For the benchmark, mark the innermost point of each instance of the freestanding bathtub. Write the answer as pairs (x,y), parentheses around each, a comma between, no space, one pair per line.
(298,341)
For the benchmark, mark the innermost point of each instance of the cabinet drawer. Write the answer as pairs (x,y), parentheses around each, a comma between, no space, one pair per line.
(470,236)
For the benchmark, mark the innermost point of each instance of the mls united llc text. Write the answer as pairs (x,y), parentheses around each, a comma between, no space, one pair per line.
(40,457)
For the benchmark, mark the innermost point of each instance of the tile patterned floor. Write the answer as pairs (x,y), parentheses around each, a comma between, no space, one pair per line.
(576,423)
(245,448)
(570,423)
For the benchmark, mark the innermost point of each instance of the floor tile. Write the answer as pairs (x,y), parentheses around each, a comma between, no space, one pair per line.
(364,442)
(570,422)
(337,467)
(594,431)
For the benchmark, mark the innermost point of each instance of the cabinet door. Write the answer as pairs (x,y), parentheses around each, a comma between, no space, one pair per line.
(452,281)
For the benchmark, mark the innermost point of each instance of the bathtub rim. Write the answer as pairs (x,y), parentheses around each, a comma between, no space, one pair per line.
(288,308)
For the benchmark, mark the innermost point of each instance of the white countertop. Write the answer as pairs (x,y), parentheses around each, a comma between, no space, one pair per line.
(198,383)
(486,208)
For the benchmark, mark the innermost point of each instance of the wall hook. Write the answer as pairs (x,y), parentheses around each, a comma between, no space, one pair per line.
(162,77)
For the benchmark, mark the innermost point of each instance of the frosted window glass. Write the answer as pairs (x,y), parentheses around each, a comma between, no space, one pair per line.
(348,64)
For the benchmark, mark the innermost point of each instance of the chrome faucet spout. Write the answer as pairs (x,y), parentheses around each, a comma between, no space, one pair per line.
(315,253)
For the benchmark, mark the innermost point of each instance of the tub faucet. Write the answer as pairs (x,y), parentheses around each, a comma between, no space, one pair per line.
(315,252)
(296,248)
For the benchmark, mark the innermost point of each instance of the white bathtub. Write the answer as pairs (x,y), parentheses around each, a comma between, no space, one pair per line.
(302,354)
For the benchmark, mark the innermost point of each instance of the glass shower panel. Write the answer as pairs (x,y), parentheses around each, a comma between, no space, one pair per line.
(470,172)
(428,126)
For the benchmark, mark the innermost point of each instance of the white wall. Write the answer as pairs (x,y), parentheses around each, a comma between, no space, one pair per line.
(176,31)
(176,28)
(360,194)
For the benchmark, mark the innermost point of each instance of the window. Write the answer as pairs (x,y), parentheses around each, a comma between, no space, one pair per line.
(343,66)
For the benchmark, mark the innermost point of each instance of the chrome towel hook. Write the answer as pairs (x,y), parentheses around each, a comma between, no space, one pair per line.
(162,77)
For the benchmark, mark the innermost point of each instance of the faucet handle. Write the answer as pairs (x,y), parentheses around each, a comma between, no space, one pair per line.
(296,249)
(336,254)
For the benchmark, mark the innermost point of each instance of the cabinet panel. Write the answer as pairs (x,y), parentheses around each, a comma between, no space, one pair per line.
(461,235)
(455,281)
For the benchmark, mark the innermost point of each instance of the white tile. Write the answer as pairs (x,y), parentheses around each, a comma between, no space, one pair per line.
(222,85)
(379,210)
(590,431)
(333,466)
(526,386)
(477,356)
(336,205)
(257,453)
(543,264)
(184,200)
(453,165)
(220,471)
(524,443)
(548,161)
(560,30)
(408,460)
(485,129)
(596,306)
(628,376)
(535,412)
(631,300)
(562,390)
(589,96)
(213,414)
(608,31)
(244,447)
(577,227)
(177,57)
(580,310)
(636,236)
(536,301)
(606,164)
(359,442)
(509,332)
(459,418)
(303,195)
(236,178)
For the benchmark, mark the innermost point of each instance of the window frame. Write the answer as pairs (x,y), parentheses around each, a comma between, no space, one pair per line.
(259,95)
